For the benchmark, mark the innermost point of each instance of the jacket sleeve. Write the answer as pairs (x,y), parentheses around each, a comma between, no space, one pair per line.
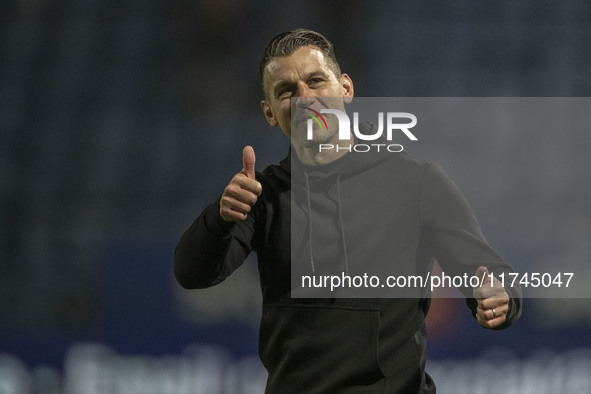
(211,249)
(459,245)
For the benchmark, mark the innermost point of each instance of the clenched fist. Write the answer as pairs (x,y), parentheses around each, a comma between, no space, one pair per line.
(243,190)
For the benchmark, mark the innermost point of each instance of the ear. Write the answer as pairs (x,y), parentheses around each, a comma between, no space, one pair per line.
(347,86)
(268,112)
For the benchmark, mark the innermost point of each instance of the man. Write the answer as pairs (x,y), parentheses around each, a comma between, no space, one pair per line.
(337,345)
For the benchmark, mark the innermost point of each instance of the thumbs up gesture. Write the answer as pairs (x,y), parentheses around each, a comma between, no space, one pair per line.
(493,300)
(243,190)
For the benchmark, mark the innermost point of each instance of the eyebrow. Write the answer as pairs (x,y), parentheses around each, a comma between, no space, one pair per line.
(286,84)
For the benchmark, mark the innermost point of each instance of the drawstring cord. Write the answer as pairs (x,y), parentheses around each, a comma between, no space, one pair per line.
(309,221)
(342,226)
(343,239)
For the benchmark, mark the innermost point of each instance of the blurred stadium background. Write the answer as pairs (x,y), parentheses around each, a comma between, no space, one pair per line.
(119,121)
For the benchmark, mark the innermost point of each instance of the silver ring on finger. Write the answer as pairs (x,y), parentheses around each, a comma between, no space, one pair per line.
(494,313)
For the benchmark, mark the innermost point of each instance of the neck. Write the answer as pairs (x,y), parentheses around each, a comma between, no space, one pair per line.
(312,155)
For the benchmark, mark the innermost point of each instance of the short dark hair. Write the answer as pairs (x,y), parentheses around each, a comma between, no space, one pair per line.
(287,43)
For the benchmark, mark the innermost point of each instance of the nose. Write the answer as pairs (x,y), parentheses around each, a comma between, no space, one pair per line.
(304,95)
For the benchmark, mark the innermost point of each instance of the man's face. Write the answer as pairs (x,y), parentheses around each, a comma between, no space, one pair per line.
(308,76)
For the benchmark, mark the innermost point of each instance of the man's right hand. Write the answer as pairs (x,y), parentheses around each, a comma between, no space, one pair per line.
(242,191)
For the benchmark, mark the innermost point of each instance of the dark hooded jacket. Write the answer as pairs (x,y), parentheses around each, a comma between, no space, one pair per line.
(360,207)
